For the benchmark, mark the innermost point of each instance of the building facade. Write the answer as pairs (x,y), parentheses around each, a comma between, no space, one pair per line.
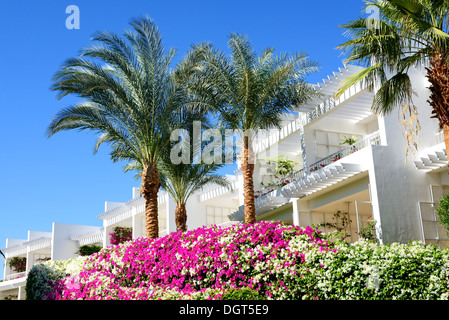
(354,162)
(348,168)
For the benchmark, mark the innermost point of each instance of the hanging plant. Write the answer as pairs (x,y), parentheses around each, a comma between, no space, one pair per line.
(18,264)
(349,140)
(120,235)
(281,166)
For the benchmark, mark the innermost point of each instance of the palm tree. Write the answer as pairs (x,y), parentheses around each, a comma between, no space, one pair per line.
(129,98)
(182,177)
(249,93)
(182,180)
(406,34)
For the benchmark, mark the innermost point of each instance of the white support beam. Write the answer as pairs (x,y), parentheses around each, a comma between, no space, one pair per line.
(294,202)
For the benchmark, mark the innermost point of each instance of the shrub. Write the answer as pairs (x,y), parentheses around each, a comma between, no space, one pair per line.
(242,294)
(88,249)
(265,260)
(200,263)
(43,278)
(443,212)
(41,281)
(366,270)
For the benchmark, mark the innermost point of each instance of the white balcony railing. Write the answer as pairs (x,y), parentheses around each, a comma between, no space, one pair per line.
(15,275)
(278,135)
(372,139)
(218,191)
(440,137)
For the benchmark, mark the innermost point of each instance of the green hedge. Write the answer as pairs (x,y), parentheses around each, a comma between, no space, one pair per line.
(365,270)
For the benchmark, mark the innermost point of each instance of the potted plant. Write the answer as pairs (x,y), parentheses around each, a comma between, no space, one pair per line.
(349,140)
(18,264)
(88,249)
(120,235)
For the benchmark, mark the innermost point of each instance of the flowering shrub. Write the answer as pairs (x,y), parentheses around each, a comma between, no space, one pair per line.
(265,260)
(43,277)
(121,235)
(203,263)
(366,270)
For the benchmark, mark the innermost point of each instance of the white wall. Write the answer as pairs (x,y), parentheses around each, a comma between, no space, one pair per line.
(62,246)
(37,234)
(396,184)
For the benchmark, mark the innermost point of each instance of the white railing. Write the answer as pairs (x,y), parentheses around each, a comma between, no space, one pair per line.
(163,233)
(440,137)
(372,139)
(331,102)
(15,276)
(218,191)
(279,134)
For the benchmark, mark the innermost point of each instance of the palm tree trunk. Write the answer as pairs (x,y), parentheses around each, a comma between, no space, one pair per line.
(446,136)
(249,206)
(150,188)
(181,217)
(438,76)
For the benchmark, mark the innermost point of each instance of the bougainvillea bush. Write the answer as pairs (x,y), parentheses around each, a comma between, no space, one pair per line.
(265,260)
(43,277)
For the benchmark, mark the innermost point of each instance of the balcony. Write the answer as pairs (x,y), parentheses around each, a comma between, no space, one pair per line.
(218,191)
(13,281)
(15,276)
(317,176)
(280,136)
(372,139)
(433,158)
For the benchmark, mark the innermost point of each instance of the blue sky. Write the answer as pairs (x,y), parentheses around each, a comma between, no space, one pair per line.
(59,179)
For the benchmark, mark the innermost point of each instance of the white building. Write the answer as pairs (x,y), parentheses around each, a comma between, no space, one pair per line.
(60,244)
(370,180)
(210,206)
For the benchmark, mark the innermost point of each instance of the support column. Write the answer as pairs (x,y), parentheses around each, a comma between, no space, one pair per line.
(22,293)
(106,236)
(171,206)
(30,260)
(136,224)
(294,202)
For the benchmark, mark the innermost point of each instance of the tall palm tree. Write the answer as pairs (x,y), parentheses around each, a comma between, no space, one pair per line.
(250,93)
(405,34)
(182,180)
(183,177)
(129,98)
